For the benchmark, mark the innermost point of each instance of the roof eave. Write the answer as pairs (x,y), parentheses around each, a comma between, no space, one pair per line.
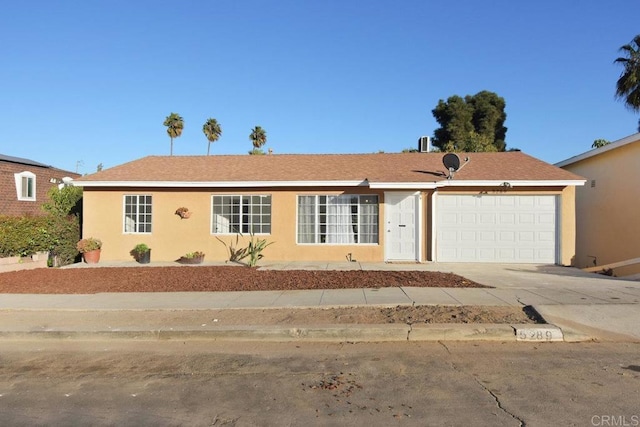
(402,185)
(220,184)
(365,183)
(511,183)
(597,151)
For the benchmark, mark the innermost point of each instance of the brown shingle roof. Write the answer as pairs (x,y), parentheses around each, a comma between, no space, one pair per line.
(382,167)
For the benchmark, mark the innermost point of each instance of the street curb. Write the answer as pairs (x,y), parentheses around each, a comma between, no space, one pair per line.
(314,333)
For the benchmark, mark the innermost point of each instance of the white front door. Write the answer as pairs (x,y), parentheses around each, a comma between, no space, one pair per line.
(402,240)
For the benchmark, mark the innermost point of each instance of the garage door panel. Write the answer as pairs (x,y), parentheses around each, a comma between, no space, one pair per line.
(468,253)
(467,202)
(506,201)
(502,228)
(547,218)
(468,219)
(508,236)
(487,236)
(487,201)
(468,236)
(527,218)
(487,218)
(526,236)
(527,201)
(546,236)
(507,218)
(526,254)
(544,254)
(449,218)
(487,253)
(548,202)
(507,254)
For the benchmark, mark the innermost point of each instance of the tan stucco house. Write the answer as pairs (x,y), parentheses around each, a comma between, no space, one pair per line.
(608,206)
(405,207)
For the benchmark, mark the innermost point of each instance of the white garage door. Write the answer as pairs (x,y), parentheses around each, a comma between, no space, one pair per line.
(487,228)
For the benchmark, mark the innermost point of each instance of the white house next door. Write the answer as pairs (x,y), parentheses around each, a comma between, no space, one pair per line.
(402,241)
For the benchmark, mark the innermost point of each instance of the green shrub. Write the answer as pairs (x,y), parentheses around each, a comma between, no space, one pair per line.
(56,233)
(64,201)
(65,232)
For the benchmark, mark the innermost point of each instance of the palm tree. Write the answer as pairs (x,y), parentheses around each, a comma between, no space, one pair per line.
(174,124)
(258,138)
(212,131)
(628,85)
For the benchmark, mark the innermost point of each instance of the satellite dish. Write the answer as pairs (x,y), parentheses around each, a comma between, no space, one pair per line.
(451,162)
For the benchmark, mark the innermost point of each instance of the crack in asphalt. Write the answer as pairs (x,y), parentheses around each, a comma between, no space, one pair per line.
(499,404)
(521,422)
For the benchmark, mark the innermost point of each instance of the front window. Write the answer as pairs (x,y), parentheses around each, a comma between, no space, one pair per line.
(241,214)
(26,186)
(137,214)
(343,219)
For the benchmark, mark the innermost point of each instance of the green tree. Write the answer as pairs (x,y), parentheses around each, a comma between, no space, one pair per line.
(212,131)
(600,143)
(258,138)
(473,142)
(174,124)
(470,122)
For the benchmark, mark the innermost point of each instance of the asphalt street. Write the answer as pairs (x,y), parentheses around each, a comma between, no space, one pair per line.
(127,383)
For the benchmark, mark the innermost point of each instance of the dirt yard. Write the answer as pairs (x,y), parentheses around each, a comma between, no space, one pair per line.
(228,278)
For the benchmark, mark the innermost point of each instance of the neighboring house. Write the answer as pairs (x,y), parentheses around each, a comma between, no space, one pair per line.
(608,206)
(25,185)
(499,207)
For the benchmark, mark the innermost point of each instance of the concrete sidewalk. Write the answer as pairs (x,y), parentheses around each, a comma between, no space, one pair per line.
(577,305)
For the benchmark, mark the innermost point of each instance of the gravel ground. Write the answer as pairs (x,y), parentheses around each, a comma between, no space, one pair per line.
(212,279)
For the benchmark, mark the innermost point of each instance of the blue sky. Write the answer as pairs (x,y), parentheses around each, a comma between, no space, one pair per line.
(89,82)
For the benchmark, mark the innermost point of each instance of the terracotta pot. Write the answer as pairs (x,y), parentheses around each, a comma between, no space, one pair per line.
(92,257)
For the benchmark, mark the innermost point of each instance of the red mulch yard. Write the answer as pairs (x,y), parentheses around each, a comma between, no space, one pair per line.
(211,279)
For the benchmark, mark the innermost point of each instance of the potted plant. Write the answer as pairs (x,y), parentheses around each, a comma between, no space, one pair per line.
(192,258)
(183,213)
(90,249)
(141,253)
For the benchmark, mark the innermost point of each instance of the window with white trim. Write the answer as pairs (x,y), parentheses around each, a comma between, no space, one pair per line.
(241,214)
(343,219)
(137,213)
(26,185)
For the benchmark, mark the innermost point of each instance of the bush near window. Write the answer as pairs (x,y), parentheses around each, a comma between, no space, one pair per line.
(57,233)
